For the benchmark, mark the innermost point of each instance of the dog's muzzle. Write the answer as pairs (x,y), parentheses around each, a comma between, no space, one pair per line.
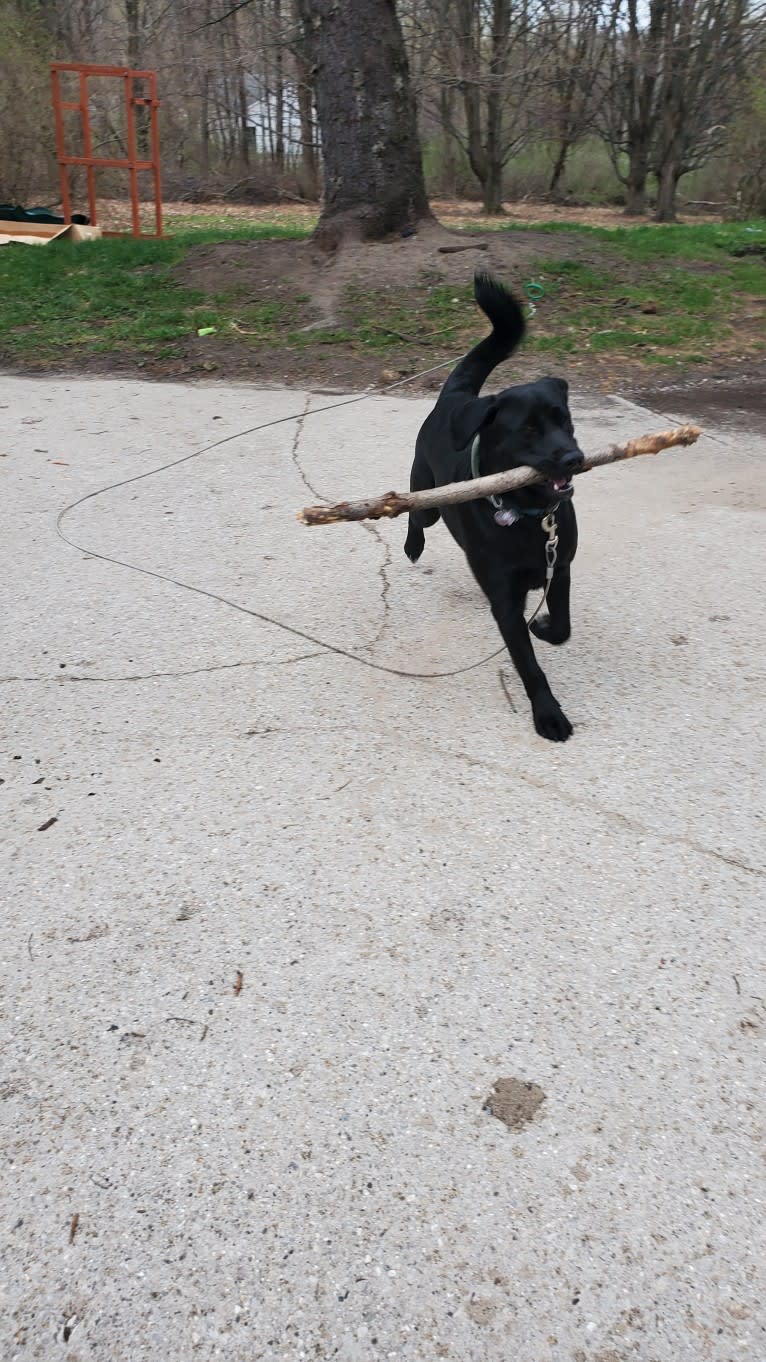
(560,486)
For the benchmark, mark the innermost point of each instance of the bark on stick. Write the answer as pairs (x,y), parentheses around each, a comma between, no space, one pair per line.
(391,504)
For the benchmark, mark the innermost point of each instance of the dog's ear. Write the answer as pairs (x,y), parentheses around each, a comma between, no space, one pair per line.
(468,419)
(561,386)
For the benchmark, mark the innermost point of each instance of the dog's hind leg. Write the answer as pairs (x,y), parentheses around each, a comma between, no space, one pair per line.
(421,479)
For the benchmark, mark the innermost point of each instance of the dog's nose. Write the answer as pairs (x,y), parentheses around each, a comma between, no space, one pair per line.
(572,461)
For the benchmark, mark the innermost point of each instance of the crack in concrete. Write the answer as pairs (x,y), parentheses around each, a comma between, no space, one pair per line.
(592,808)
(385,583)
(294,454)
(64,677)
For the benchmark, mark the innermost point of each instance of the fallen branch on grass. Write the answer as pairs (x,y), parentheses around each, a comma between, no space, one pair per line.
(396,503)
(470,246)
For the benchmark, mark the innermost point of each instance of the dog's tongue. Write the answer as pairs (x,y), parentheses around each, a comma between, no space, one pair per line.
(560,483)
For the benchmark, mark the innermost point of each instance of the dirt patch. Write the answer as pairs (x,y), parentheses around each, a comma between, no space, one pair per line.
(514,1102)
(385,313)
(481,1311)
(457,213)
(114,214)
(732,395)
(312,291)
(259,272)
(278,269)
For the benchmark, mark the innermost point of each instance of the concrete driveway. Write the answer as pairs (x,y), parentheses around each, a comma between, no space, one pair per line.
(275,921)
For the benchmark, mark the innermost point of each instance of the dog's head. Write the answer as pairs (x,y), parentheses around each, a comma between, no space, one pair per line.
(527,424)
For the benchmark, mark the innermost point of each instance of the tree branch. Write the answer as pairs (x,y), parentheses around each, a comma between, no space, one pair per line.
(392,504)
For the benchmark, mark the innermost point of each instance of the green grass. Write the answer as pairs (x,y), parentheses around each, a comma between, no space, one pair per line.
(111,295)
(124,297)
(690,241)
(643,297)
(377,322)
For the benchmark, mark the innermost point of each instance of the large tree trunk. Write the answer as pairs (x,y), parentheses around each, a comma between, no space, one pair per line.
(492,198)
(373,173)
(666,192)
(244,131)
(641,75)
(309,173)
(204,128)
(498,65)
(485,152)
(470,86)
(559,165)
(309,167)
(135,23)
(635,184)
(449,165)
(279,90)
(492,189)
(674,93)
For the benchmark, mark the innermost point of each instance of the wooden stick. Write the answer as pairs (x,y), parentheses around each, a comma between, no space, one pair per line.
(450,494)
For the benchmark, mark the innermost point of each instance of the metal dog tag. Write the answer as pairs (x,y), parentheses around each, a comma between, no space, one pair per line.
(506,518)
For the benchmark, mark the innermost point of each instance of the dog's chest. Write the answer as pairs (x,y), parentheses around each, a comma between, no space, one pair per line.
(524,547)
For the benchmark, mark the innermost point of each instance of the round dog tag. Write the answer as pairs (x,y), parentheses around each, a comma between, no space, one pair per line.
(506,518)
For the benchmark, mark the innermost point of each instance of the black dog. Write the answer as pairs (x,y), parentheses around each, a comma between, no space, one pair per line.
(504,541)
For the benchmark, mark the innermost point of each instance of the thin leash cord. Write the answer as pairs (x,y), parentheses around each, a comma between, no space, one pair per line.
(224,600)
(551,554)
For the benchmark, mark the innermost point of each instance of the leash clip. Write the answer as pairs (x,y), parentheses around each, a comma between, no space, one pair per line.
(551,543)
(548,523)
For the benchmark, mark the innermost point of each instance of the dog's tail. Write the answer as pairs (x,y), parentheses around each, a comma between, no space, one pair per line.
(508,327)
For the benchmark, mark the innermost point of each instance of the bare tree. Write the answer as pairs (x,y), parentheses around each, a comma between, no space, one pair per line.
(497,65)
(244,85)
(630,94)
(26,122)
(305,82)
(673,86)
(372,162)
(700,83)
(747,139)
(485,144)
(576,48)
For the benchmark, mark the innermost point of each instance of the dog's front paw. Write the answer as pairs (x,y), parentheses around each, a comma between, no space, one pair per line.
(544,629)
(414,544)
(550,720)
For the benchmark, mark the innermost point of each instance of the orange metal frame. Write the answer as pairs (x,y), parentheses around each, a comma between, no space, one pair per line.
(132,162)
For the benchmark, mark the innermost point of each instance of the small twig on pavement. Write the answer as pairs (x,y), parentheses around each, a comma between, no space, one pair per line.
(506,689)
